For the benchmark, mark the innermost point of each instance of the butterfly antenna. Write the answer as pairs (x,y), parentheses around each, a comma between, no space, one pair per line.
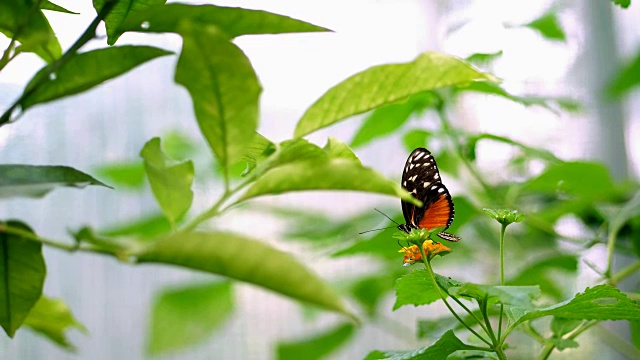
(385,215)
(364,232)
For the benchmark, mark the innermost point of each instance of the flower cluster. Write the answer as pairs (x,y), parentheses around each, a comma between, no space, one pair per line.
(431,249)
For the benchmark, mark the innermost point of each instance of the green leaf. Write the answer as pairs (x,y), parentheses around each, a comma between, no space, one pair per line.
(385,84)
(385,120)
(257,152)
(37,181)
(541,273)
(53,318)
(22,273)
(170,180)
(34,32)
(505,216)
(562,327)
(520,296)
(331,174)
(48,5)
(178,145)
(336,149)
(630,210)
(121,11)
(549,27)
(416,288)
(231,21)
(434,328)
(440,350)
(588,180)
(246,260)
(128,175)
(146,227)
(415,139)
(472,142)
(86,70)
(549,103)
(563,344)
(369,291)
(185,316)
(627,77)
(483,59)
(602,302)
(317,346)
(224,89)
(622,3)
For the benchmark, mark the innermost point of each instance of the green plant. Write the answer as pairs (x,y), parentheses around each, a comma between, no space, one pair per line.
(225,92)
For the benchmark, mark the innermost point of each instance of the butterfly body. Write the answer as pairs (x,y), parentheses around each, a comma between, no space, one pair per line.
(422,179)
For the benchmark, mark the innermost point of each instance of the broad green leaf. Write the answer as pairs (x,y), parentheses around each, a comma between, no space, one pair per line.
(630,210)
(583,179)
(385,120)
(34,32)
(472,142)
(483,59)
(53,318)
(549,103)
(435,328)
(622,3)
(440,350)
(48,5)
(224,89)
(332,174)
(128,175)
(385,84)
(178,145)
(290,151)
(145,227)
(520,296)
(121,11)
(370,290)
(337,149)
(257,152)
(602,302)
(37,181)
(87,70)
(22,273)
(317,346)
(244,259)
(540,273)
(415,139)
(231,21)
(561,327)
(185,316)
(416,288)
(170,180)
(549,27)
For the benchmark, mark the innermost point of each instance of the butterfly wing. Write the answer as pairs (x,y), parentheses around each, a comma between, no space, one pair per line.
(422,179)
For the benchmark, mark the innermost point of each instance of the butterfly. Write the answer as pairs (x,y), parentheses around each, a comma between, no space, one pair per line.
(421,178)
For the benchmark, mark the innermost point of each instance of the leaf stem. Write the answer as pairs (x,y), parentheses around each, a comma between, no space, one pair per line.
(548,349)
(215,208)
(86,36)
(503,228)
(462,305)
(427,265)
(54,243)
(6,56)
(624,273)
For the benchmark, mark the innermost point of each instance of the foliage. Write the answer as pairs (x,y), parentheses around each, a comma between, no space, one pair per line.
(225,92)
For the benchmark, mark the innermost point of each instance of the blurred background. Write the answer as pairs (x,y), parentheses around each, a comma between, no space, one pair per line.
(101,132)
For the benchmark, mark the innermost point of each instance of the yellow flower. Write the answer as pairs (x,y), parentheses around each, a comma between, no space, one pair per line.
(431,249)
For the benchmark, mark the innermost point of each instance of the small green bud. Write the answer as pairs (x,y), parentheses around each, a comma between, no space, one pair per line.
(505,216)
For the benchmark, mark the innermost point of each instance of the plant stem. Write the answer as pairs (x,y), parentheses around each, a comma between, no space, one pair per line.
(427,265)
(215,208)
(53,243)
(624,273)
(86,36)
(502,230)
(462,305)
(611,246)
(548,349)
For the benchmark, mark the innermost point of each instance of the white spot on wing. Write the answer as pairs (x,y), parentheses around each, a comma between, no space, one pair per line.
(404,183)
(413,178)
(426,183)
(418,156)
(434,187)
(441,190)
(436,176)
(411,166)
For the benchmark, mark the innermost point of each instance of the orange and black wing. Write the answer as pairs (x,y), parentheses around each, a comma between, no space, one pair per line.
(422,179)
